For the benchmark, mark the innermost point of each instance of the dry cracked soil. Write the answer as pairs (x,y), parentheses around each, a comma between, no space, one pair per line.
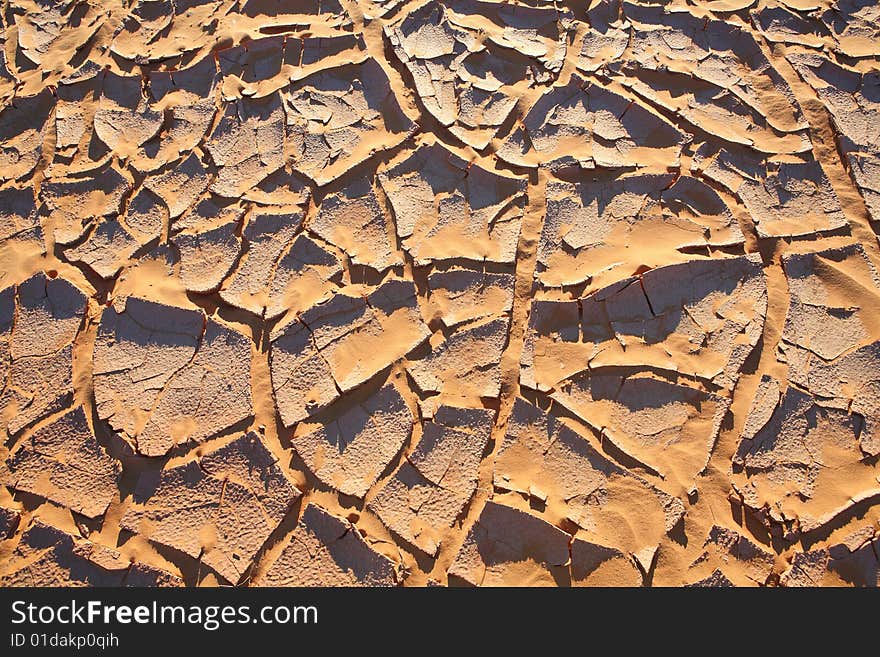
(459,292)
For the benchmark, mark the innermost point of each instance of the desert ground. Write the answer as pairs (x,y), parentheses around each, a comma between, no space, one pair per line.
(465,292)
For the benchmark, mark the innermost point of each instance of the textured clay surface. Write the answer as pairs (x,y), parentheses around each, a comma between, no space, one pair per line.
(455,292)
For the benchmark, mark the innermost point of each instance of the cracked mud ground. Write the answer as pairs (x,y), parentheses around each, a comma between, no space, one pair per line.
(384,293)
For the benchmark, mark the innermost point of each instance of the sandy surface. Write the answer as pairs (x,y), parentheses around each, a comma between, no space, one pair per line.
(468,292)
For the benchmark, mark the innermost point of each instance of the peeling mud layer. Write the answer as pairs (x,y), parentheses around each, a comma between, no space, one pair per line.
(460,292)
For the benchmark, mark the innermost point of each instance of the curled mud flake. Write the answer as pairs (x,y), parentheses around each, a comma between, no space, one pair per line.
(338,118)
(156,30)
(262,66)
(508,545)
(437,480)
(767,398)
(307,273)
(205,215)
(46,556)
(782,25)
(853,562)
(729,165)
(165,376)
(267,237)
(793,200)
(19,221)
(208,256)
(865,170)
(739,560)
(694,202)
(63,462)
(716,580)
(39,320)
(606,39)
(714,75)
(587,221)
(460,295)
(7,80)
(350,448)
(530,27)
(472,62)
(854,26)
(340,343)
(540,450)
(301,379)
(853,100)
(784,199)
(179,187)
(788,463)
(293,16)
(583,124)
(70,121)
(75,203)
(445,207)
(282,188)
(595,564)
(829,334)
(731,5)
(149,121)
(23,127)
(106,250)
(325,550)
(144,24)
(185,97)
(247,145)
(124,119)
(827,314)
(700,319)
(219,509)
(808,569)
(353,221)
(9,520)
(50,33)
(850,382)
(466,362)
(670,427)
(88,70)
(146,216)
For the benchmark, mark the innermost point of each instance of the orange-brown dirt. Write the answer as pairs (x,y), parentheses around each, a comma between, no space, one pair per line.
(460,292)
